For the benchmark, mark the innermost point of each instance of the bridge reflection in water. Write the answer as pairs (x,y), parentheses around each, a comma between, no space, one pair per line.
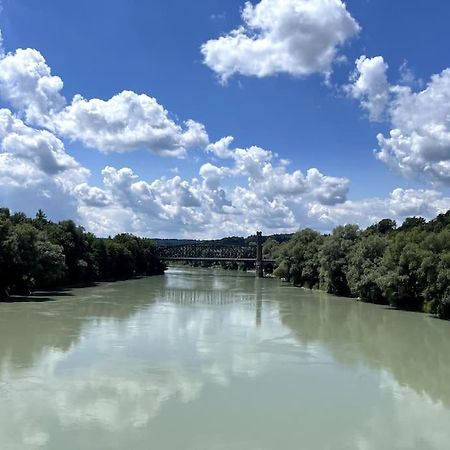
(215,295)
(218,253)
(188,297)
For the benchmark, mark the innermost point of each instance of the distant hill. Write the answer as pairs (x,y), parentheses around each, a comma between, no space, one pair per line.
(231,240)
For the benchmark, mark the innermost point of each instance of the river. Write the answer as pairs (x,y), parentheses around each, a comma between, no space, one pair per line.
(203,359)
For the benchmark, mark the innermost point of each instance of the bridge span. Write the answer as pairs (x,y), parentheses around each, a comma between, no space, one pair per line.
(221,254)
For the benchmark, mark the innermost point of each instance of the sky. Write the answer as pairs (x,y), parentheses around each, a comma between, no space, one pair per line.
(205,119)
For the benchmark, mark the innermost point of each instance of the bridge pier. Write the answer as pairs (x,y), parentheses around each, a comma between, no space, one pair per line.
(259,256)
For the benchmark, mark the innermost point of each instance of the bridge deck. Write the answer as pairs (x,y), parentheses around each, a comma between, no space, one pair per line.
(192,258)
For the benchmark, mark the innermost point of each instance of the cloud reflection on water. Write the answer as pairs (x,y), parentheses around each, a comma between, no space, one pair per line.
(158,361)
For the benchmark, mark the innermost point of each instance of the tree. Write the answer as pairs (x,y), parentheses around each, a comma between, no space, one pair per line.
(384,226)
(334,259)
(363,269)
(412,222)
(299,258)
(37,253)
(401,279)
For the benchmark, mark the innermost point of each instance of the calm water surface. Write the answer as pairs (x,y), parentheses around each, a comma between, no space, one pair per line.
(209,360)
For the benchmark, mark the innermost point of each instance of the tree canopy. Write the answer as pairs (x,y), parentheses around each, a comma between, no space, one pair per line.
(37,253)
(406,267)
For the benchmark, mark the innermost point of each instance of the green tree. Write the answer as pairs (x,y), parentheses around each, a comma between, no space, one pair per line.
(363,269)
(334,256)
(36,253)
(401,279)
(298,259)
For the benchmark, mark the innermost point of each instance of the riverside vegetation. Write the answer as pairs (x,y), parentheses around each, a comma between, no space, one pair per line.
(37,253)
(406,267)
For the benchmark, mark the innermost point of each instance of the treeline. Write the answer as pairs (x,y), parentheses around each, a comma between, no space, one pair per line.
(37,253)
(406,267)
(239,247)
(235,241)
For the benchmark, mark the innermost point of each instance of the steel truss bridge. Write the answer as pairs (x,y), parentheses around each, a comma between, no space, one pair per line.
(217,253)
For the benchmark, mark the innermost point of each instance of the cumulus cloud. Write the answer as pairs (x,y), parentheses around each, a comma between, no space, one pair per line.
(297,37)
(254,190)
(261,212)
(269,177)
(127,122)
(92,195)
(418,144)
(370,85)
(327,190)
(39,150)
(218,203)
(162,205)
(419,141)
(44,150)
(27,83)
(35,169)
(401,203)
(221,148)
(213,175)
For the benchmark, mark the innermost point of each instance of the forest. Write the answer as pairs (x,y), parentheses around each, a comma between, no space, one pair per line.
(36,253)
(406,267)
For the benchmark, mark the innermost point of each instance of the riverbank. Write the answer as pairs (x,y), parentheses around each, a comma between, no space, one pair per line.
(36,253)
(406,267)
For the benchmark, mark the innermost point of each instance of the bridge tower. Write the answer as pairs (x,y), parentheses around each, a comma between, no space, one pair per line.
(259,255)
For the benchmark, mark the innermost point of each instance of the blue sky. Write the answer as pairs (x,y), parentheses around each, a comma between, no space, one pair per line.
(302,109)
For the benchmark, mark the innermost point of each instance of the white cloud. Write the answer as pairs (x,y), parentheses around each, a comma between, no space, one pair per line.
(39,150)
(253,189)
(418,144)
(370,86)
(221,148)
(256,191)
(27,84)
(268,176)
(327,190)
(259,189)
(213,175)
(35,170)
(127,122)
(259,212)
(123,123)
(401,203)
(92,195)
(298,37)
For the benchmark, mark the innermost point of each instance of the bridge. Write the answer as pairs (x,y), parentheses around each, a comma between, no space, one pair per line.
(218,253)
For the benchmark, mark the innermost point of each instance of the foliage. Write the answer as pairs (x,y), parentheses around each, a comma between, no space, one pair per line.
(364,267)
(406,267)
(333,256)
(298,259)
(37,253)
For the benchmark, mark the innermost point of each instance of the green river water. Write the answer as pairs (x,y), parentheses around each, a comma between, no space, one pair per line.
(203,359)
